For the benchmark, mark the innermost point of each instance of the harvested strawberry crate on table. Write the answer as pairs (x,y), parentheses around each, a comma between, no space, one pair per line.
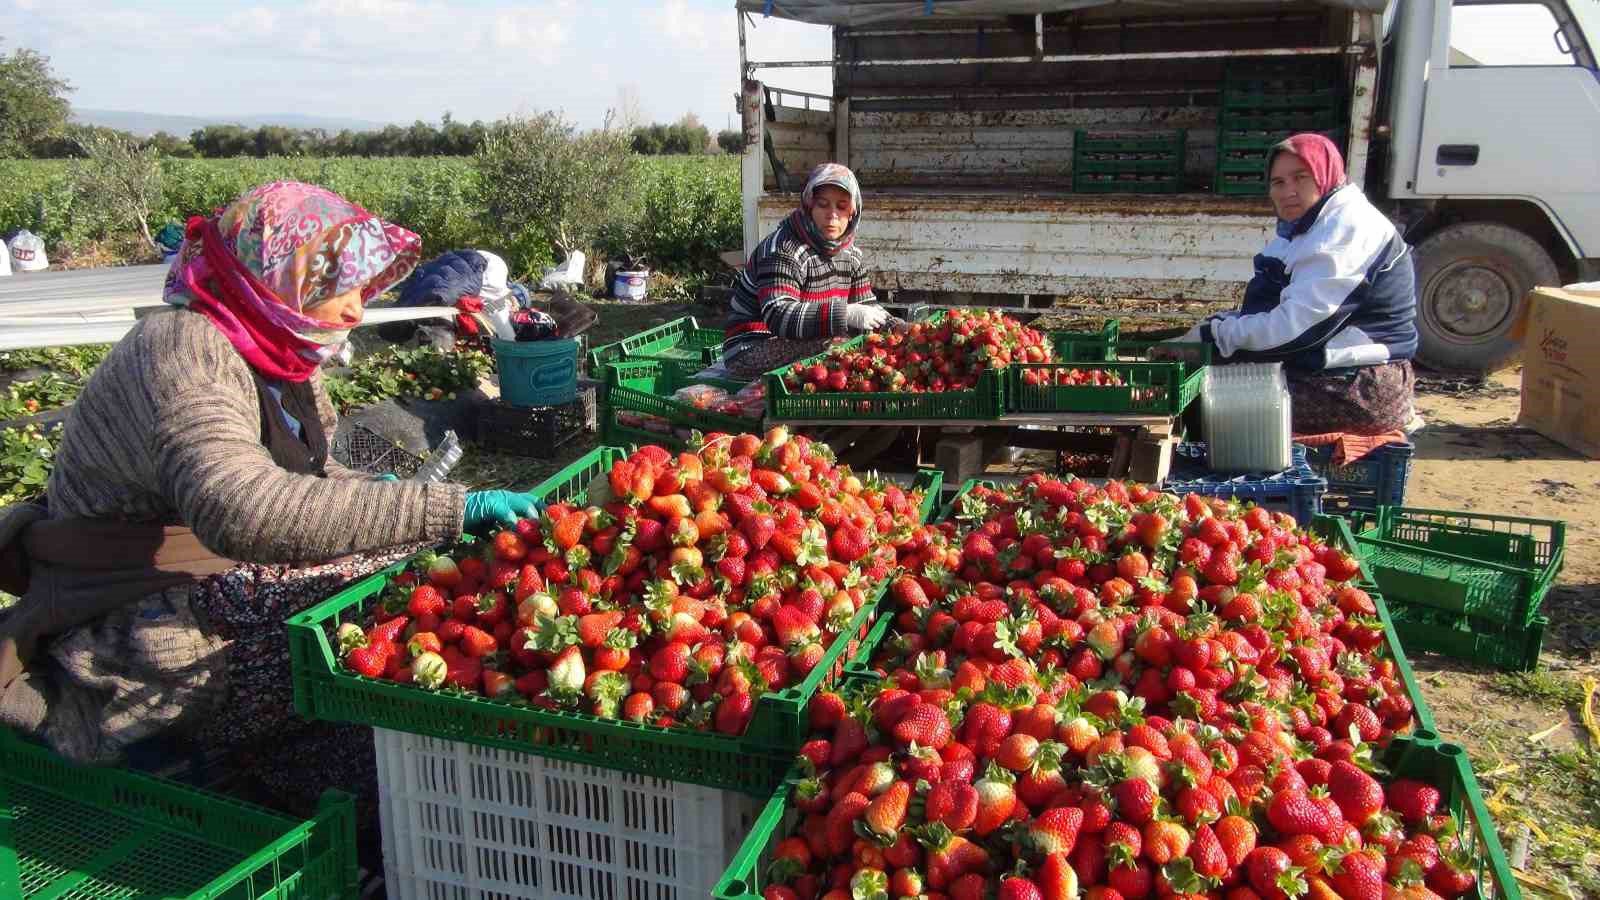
(668,615)
(1109,692)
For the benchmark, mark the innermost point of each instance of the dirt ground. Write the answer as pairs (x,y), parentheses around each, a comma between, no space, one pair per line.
(1537,762)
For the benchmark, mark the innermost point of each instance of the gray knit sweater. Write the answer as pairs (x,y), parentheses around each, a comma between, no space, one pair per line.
(168,429)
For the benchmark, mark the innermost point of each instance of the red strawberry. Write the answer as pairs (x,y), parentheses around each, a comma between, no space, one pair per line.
(1018,888)
(1292,811)
(1210,860)
(568,530)
(734,712)
(925,725)
(1413,800)
(997,799)
(1450,880)
(1237,836)
(887,812)
(1054,831)
(476,643)
(848,543)
(1359,795)
(1272,876)
(671,663)
(1360,876)
(955,803)
(1136,800)
(594,628)
(425,600)
(368,661)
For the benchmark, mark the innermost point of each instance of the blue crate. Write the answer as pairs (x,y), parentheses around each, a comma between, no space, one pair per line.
(1296,490)
(1377,479)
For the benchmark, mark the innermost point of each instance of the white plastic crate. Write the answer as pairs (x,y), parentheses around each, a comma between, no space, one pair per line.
(463,822)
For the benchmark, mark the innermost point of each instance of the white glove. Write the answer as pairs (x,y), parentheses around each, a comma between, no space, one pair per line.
(860,318)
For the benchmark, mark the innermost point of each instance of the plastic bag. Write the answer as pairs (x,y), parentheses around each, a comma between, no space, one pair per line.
(701,396)
(749,403)
(27,252)
(568,274)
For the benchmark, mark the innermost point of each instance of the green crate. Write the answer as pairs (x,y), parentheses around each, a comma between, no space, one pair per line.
(1510,648)
(1165,388)
(680,340)
(751,763)
(985,401)
(1128,162)
(1250,122)
(90,832)
(1086,346)
(645,386)
(1443,765)
(1496,569)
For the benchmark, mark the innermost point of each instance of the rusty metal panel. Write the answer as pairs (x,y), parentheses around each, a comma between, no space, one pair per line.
(1197,248)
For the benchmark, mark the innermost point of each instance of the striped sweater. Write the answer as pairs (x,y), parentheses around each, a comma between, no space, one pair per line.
(168,430)
(789,290)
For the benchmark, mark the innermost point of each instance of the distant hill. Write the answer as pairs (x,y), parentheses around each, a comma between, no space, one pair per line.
(146,124)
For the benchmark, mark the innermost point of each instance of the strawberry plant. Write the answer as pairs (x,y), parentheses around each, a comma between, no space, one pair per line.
(48,391)
(682,590)
(1114,693)
(27,455)
(421,372)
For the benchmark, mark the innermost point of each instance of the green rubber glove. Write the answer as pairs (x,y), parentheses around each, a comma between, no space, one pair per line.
(388,476)
(497,509)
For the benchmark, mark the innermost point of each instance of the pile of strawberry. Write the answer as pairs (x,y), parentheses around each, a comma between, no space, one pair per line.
(1111,693)
(685,588)
(948,355)
(1060,376)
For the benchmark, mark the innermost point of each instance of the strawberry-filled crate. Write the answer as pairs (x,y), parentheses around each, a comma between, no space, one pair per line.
(644,406)
(1416,776)
(1131,383)
(949,367)
(681,343)
(1296,490)
(1376,479)
(744,747)
(93,832)
(1333,531)
(464,821)
(1492,569)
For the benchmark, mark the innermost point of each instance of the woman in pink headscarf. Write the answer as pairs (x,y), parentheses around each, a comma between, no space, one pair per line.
(1333,298)
(193,505)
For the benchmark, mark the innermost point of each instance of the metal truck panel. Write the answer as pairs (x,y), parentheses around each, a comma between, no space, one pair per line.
(1158,247)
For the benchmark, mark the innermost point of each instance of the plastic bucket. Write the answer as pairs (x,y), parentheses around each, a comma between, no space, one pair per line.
(631,285)
(537,373)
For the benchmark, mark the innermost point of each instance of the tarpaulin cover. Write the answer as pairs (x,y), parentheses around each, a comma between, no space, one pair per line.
(866,12)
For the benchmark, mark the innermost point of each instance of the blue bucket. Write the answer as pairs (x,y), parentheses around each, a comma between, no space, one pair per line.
(537,373)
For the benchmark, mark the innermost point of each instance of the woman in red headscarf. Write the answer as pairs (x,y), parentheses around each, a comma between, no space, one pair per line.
(1333,298)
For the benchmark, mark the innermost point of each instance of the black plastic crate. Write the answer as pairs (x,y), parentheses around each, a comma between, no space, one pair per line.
(364,450)
(537,431)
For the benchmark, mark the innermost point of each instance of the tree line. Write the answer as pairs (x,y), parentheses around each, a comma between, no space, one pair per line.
(35,122)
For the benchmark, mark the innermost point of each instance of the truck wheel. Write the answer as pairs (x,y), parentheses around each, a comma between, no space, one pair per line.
(1471,281)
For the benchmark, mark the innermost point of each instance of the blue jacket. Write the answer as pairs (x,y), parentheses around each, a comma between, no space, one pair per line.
(443,280)
(1333,290)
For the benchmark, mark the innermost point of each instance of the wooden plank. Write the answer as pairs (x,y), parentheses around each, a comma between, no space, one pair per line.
(1152,460)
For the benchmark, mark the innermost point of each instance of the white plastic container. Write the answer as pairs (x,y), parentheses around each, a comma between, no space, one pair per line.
(1247,418)
(463,822)
(631,285)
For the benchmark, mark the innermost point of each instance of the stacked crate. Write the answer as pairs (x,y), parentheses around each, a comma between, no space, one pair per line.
(1265,102)
(1128,163)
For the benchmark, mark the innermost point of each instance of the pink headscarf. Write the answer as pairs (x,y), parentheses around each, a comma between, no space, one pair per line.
(1320,156)
(279,250)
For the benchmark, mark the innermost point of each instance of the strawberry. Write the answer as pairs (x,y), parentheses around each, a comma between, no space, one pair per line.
(1414,801)
(841,822)
(954,803)
(1359,876)
(734,712)
(567,673)
(886,813)
(671,663)
(425,601)
(1054,831)
(792,626)
(997,799)
(1209,858)
(367,661)
(476,643)
(1136,800)
(925,725)
(1165,841)
(1018,888)
(1237,835)
(1292,812)
(1358,794)
(1449,879)
(639,707)
(594,628)
(1271,875)
(848,543)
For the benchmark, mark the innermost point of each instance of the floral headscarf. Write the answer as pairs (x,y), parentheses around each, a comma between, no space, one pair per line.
(277,251)
(828,175)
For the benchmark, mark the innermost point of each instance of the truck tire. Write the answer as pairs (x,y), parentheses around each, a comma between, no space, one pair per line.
(1471,281)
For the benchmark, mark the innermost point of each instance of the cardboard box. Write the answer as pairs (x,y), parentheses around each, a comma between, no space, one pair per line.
(1561,368)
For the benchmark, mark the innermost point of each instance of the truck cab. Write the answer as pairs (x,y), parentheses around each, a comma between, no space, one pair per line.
(1015,152)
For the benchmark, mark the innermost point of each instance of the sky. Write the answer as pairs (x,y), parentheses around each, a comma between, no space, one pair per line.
(401,60)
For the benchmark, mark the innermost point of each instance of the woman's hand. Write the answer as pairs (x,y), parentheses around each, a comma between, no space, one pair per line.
(861,318)
(490,509)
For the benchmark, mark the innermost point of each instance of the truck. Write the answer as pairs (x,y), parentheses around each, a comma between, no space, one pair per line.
(1014,152)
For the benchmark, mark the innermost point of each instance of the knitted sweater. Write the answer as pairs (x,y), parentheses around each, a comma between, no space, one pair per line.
(789,290)
(168,429)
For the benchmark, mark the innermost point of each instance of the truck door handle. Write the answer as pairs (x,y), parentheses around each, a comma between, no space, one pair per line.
(1457,155)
